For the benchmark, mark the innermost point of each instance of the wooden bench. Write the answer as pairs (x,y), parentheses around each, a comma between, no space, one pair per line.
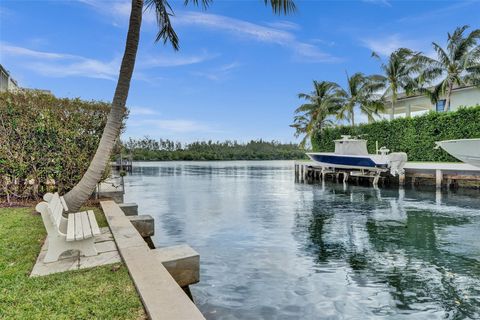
(76,232)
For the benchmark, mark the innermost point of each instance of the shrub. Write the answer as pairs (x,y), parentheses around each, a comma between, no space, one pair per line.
(46,142)
(416,136)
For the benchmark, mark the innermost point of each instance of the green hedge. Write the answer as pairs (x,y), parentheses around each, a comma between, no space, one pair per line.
(416,136)
(46,143)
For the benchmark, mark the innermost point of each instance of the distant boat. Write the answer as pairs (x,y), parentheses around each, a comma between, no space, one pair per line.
(352,153)
(466,150)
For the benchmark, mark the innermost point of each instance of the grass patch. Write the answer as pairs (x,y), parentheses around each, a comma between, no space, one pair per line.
(105,292)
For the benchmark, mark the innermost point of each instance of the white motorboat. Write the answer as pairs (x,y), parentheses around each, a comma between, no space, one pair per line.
(466,150)
(352,154)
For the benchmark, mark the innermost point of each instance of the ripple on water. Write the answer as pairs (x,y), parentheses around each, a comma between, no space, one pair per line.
(273,249)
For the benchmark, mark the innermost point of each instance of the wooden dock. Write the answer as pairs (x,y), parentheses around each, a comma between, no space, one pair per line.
(440,174)
(122,165)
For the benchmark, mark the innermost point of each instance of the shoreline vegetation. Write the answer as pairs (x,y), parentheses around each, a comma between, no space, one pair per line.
(148,149)
(416,135)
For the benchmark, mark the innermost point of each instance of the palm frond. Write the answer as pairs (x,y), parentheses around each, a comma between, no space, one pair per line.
(204,3)
(282,6)
(465,45)
(305,96)
(442,55)
(163,12)
(375,55)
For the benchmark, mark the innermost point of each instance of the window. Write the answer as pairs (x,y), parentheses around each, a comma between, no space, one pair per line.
(440,106)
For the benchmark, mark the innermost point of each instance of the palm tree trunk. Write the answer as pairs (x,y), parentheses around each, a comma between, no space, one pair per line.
(392,114)
(76,197)
(353,118)
(449,96)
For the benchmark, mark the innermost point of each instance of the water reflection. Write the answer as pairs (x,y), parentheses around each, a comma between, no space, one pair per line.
(273,249)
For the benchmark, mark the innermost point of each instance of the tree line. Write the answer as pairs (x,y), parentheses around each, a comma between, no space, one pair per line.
(405,71)
(166,150)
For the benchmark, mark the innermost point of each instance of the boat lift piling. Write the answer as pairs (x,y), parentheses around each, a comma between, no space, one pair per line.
(306,172)
(441,175)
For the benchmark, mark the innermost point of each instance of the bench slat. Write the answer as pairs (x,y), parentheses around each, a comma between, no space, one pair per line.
(58,212)
(56,209)
(64,204)
(87,232)
(78,226)
(71,227)
(93,223)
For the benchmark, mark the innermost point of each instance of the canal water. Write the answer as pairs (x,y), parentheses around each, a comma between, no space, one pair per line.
(271,248)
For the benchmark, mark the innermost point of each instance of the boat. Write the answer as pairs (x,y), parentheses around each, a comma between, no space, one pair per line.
(466,150)
(351,153)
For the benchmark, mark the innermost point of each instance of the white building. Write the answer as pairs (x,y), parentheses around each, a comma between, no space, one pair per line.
(407,106)
(7,83)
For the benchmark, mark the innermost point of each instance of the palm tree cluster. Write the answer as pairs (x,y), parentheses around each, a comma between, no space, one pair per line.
(405,71)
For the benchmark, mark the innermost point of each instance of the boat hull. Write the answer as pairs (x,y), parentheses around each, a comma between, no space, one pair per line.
(348,161)
(466,150)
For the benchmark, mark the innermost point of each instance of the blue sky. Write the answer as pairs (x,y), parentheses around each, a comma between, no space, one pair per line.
(239,68)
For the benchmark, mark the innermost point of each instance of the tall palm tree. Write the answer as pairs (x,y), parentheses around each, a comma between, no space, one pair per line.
(163,11)
(312,116)
(398,73)
(361,92)
(456,65)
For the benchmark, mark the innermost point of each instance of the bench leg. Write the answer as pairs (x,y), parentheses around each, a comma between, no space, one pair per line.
(58,245)
(88,247)
(55,249)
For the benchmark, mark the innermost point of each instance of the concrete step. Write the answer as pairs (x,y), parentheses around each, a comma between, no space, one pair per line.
(144,223)
(130,209)
(181,261)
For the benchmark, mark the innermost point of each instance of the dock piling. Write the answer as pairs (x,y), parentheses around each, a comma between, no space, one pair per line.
(438,178)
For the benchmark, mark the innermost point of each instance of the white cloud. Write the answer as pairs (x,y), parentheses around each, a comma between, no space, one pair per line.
(256,32)
(118,9)
(167,126)
(175,60)
(236,26)
(87,68)
(384,3)
(308,53)
(139,111)
(276,33)
(220,73)
(322,42)
(20,51)
(285,25)
(387,44)
(53,64)
(122,8)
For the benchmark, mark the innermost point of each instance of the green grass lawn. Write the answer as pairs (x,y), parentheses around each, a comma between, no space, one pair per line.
(105,292)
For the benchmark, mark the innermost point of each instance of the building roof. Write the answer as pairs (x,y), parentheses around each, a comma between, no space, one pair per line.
(404,96)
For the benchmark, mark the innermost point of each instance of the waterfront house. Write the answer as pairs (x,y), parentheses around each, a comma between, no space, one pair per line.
(407,106)
(7,83)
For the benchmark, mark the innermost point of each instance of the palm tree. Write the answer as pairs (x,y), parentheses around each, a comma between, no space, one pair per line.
(313,115)
(361,92)
(398,72)
(456,65)
(163,11)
